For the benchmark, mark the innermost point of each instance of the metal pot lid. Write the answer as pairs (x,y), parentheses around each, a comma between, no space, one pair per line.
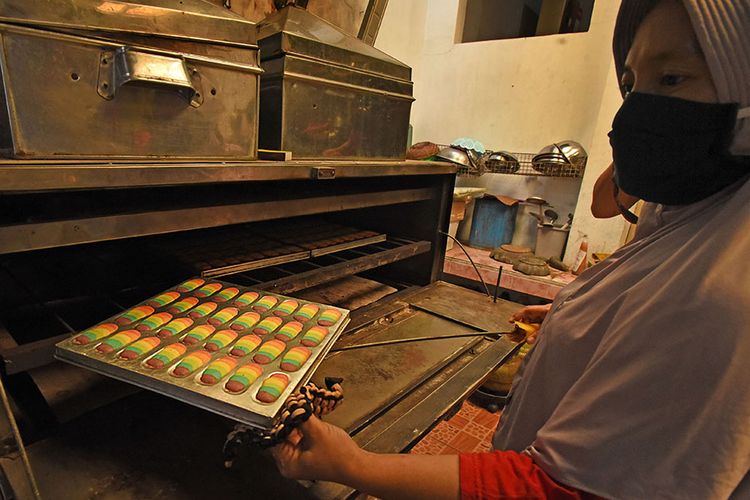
(295,31)
(195,20)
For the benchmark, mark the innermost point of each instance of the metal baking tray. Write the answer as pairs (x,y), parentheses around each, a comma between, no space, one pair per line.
(244,406)
(254,246)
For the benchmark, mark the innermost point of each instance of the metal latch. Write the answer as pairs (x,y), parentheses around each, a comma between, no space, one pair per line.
(323,173)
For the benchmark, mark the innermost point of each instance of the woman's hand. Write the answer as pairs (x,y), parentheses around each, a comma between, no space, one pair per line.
(317,450)
(604,199)
(531,314)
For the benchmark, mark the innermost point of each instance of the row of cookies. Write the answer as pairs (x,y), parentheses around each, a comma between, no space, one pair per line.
(131,347)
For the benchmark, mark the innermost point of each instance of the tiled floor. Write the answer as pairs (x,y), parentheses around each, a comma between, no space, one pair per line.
(470,430)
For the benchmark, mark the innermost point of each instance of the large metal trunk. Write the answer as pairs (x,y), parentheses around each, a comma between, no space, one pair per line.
(325,94)
(150,79)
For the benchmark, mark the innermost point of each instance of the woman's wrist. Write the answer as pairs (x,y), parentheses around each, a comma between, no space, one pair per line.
(350,465)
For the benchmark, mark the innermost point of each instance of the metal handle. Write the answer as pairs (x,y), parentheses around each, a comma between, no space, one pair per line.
(127,66)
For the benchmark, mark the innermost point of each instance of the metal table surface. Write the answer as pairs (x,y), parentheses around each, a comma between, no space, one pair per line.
(53,175)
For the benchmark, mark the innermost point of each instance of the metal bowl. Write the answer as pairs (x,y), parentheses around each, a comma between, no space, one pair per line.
(549,150)
(573,152)
(565,157)
(467,160)
(501,162)
(549,163)
(456,155)
(549,168)
(550,158)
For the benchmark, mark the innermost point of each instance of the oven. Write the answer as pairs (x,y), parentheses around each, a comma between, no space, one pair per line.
(83,240)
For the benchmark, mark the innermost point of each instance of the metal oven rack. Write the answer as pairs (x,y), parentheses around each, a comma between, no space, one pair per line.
(42,305)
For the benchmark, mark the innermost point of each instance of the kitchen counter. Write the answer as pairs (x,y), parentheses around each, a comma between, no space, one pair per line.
(545,287)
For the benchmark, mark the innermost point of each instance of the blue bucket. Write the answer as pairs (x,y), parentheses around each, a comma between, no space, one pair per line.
(494,221)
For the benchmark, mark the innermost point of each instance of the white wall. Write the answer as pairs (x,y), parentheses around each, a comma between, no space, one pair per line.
(517,95)
(604,235)
(402,35)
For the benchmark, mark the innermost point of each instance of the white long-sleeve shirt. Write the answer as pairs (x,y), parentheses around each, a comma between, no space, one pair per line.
(639,384)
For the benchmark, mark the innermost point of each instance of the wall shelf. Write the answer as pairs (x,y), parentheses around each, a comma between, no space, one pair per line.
(524,166)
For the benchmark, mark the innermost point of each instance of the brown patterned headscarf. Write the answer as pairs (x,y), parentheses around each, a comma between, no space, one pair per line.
(722,28)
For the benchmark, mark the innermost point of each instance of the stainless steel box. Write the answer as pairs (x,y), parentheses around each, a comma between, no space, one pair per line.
(326,94)
(145,79)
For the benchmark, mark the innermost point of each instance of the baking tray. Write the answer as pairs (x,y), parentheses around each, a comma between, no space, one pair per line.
(223,301)
(323,239)
(254,246)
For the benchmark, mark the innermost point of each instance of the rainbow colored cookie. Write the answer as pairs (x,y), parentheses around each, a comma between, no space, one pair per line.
(272,388)
(198,334)
(223,316)
(329,317)
(218,369)
(306,312)
(226,294)
(190,285)
(246,299)
(153,322)
(295,358)
(203,310)
(140,347)
(286,308)
(247,320)
(164,299)
(268,325)
(166,356)
(269,351)
(135,314)
(265,303)
(207,290)
(183,305)
(174,327)
(245,345)
(220,340)
(96,333)
(243,377)
(191,362)
(289,331)
(314,336)
(118,341)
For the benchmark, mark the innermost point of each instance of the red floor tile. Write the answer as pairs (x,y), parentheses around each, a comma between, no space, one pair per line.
(487,419)
(483,447)
(468,410)
(444,432)
(449,450)
(420,448)
(458,421)
(428,446)
(465,442)
(478,431)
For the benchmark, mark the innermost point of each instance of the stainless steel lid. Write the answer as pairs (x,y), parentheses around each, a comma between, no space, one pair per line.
(194,20)
(293,30)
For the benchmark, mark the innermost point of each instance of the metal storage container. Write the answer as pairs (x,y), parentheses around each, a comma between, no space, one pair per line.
(493,221)
(138,79)
(326,94)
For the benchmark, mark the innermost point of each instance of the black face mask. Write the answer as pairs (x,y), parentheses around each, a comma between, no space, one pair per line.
(672,151)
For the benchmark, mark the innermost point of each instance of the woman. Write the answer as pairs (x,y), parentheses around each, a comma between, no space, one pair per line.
(638,385)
